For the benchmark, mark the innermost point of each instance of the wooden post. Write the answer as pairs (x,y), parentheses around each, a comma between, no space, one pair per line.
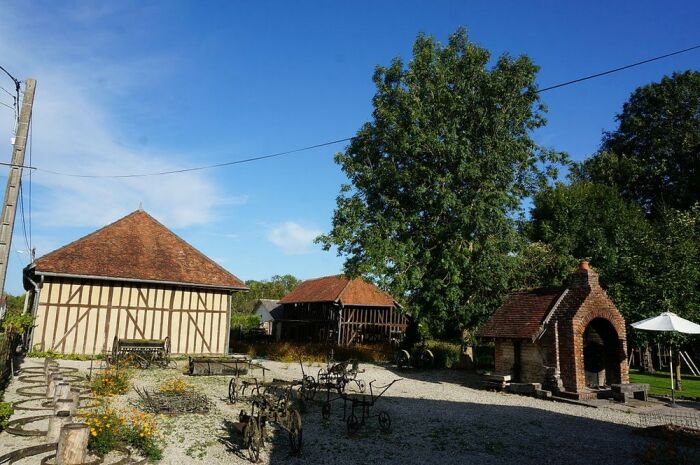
(74,396)
(56,423)
(62,391)
(51,386)
(72,444)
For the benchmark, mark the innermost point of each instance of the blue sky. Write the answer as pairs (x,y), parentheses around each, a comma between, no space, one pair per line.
(147,86)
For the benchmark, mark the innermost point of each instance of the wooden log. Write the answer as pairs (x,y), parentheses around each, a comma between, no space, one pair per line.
(63,405)
(72,444)
(56,423)
(49,373)
(74,395)
(62,391)
(51,386)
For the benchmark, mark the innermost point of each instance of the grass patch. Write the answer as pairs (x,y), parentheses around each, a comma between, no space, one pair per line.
(6,411)
(660,383)
(61,356)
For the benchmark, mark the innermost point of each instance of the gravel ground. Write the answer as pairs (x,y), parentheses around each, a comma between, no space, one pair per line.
(436,418)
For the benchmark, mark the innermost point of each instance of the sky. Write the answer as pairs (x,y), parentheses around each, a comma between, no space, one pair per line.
(132,87)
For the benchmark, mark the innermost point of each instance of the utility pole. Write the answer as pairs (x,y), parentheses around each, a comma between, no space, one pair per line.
(9,205)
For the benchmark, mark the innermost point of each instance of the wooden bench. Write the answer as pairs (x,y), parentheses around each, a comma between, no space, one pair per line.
(621,392)
(496,381)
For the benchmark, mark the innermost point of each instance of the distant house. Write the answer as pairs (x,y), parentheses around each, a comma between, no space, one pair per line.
(570,339)
(266,309)
(338,310)
(131,279)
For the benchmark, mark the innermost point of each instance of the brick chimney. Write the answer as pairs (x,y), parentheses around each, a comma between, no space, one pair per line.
(584,276)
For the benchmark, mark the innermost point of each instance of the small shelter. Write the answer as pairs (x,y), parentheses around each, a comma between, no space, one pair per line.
(265,309)
(571,339)
(133,279)
(339,310)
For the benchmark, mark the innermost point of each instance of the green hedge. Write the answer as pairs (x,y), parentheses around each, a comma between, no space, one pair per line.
(245,321)
(447,354)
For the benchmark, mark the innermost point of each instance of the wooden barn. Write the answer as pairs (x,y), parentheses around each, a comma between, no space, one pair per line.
(571,340)
(339,310)
(132,279)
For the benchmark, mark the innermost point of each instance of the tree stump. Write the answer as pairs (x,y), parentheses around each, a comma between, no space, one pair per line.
(56,423)
(72,444)
(51,386)
(62,391)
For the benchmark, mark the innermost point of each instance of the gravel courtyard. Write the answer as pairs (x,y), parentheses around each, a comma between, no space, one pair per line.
(436,418)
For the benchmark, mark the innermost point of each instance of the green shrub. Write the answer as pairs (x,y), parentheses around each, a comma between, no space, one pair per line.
(6,412)
(62,356)
(293,352)
(16,322)
(447,354)
(245,321)
(112,381)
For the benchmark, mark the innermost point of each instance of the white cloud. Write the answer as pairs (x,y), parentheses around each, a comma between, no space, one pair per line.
(73,131)
(293,238)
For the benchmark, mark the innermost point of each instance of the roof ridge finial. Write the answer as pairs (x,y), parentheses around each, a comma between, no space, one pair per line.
(140,206)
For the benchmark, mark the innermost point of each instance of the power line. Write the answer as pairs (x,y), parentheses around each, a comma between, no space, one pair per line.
(324,144)
(196,168)
(615,70)
(8,106)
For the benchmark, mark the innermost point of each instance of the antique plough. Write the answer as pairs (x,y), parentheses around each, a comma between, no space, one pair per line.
(266,409)
(361,404)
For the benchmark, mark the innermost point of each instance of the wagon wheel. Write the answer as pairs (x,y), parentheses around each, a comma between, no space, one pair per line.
(361,385)
(308,387)
(353,424)
(253,439)
(384,421)
(426,359)
(166,346)
(232,392)
(326,411)
(295,431)
(403,358)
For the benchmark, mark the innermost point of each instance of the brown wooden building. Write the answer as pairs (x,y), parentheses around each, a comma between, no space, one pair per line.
(572,340)
(131,279)
(339,310)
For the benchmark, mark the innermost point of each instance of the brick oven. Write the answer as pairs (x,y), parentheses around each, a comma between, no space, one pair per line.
(571,339)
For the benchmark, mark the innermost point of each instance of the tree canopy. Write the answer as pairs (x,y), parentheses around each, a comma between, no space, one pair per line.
(274,288)
(437,179)
(653,157)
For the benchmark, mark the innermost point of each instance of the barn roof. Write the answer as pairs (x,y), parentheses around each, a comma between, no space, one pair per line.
(136,248)
(339,289)
(522,314)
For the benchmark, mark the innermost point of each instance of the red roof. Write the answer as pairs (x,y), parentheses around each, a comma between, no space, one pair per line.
(521,315)
(341,289)
(137,248)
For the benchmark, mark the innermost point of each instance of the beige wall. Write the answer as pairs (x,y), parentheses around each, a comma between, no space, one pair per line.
(84,316)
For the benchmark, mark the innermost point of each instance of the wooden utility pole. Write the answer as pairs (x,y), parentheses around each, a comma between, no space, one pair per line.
(9,205)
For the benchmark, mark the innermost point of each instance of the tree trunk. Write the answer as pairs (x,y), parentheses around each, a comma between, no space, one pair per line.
(72,444)
(677,370)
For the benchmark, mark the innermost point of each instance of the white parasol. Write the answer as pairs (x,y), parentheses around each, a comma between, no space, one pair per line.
(668,321)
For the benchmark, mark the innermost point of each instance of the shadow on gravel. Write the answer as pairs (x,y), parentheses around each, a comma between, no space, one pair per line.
(463,377)
(443,432)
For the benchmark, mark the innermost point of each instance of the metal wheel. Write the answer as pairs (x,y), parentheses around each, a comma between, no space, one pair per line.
(353,424)
(295,431)
(426,359)
(403,359)
(232,394)
(326,411)
(253,438)
(384,421)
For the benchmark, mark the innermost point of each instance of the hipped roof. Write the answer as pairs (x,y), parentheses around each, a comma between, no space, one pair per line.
(339,289)
(136,248)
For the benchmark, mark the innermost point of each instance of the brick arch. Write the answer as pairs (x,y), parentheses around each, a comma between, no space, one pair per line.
(597,306)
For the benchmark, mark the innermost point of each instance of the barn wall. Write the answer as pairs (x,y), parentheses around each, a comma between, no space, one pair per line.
(84,316)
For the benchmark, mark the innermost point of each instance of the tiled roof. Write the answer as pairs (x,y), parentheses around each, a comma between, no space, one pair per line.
(339,288)
(137,248)
(521,314)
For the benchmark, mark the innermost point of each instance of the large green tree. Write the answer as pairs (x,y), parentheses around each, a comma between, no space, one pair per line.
(437,179)
(274,288)
(653,157)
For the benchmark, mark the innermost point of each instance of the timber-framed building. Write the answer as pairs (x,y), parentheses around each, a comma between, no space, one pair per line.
(338,310)
(131,279)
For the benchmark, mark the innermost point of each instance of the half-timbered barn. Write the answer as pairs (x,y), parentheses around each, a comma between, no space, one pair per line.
(571,339)
(131,279)
(339,310)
